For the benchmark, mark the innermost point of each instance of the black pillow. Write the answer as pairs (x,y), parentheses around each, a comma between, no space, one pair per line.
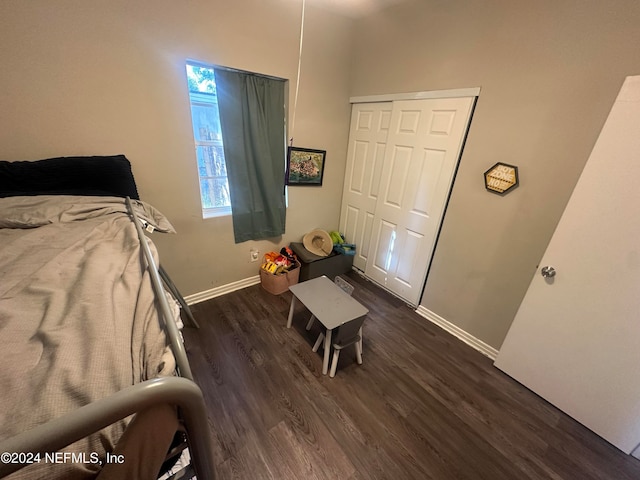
(96,176)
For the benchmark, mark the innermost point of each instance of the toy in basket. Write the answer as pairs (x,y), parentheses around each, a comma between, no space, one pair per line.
(342,247)
(279,270)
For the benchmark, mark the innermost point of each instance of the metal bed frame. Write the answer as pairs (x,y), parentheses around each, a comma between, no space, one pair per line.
(182,392)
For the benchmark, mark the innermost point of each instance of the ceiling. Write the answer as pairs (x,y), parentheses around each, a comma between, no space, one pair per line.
(355,8)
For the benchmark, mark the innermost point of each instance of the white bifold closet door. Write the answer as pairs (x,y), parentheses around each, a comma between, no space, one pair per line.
(365,157)
(401,162)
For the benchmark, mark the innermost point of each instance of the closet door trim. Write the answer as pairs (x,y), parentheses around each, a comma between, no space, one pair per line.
(455,93)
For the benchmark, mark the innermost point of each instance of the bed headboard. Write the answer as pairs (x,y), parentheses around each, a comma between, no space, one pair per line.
(95,176)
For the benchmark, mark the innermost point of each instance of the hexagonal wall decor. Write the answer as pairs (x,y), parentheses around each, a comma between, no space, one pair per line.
(501,178)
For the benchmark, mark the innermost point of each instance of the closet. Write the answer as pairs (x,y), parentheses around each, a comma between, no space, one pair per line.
(401,162)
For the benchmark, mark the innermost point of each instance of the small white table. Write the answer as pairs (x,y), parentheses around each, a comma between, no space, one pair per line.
(329,304)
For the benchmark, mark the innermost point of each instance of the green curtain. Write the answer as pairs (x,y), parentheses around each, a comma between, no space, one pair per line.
(252,122)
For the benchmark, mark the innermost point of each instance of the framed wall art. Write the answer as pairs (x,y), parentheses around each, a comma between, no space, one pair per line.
(305,166)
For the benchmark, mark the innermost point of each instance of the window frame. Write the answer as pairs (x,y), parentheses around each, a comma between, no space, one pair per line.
(204,99)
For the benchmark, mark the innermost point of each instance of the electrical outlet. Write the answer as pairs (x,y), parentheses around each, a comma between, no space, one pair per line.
(254,255)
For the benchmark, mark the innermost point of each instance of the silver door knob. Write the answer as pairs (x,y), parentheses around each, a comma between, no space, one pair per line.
(548,272)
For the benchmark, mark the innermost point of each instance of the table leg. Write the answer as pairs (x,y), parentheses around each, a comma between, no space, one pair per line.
(293,304)
(359,348)
(313,317)
(327,349)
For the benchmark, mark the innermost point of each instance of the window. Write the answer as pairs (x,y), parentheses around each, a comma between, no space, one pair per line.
(239,129)
(212,169)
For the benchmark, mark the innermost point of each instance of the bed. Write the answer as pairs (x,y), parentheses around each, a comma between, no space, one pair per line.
(96,381)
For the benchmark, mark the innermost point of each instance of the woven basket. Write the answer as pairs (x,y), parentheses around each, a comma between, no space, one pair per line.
(277,284)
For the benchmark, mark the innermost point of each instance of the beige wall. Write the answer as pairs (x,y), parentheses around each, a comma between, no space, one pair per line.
(107,77)
(549,72)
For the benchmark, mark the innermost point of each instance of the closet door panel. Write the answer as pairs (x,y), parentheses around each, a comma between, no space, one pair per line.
(365,156)
(423,148)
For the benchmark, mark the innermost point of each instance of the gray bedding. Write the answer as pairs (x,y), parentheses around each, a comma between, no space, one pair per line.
(78,319)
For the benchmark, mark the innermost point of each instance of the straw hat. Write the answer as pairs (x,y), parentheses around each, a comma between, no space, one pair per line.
(318,242)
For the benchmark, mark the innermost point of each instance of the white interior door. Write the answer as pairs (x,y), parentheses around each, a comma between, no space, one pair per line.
(575,340)
(365,155)
(423,148)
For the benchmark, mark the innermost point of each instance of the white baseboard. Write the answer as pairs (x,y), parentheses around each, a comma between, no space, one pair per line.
(456,331)
(216,292)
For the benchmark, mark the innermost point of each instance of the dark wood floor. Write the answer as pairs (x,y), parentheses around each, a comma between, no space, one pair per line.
(422,406)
